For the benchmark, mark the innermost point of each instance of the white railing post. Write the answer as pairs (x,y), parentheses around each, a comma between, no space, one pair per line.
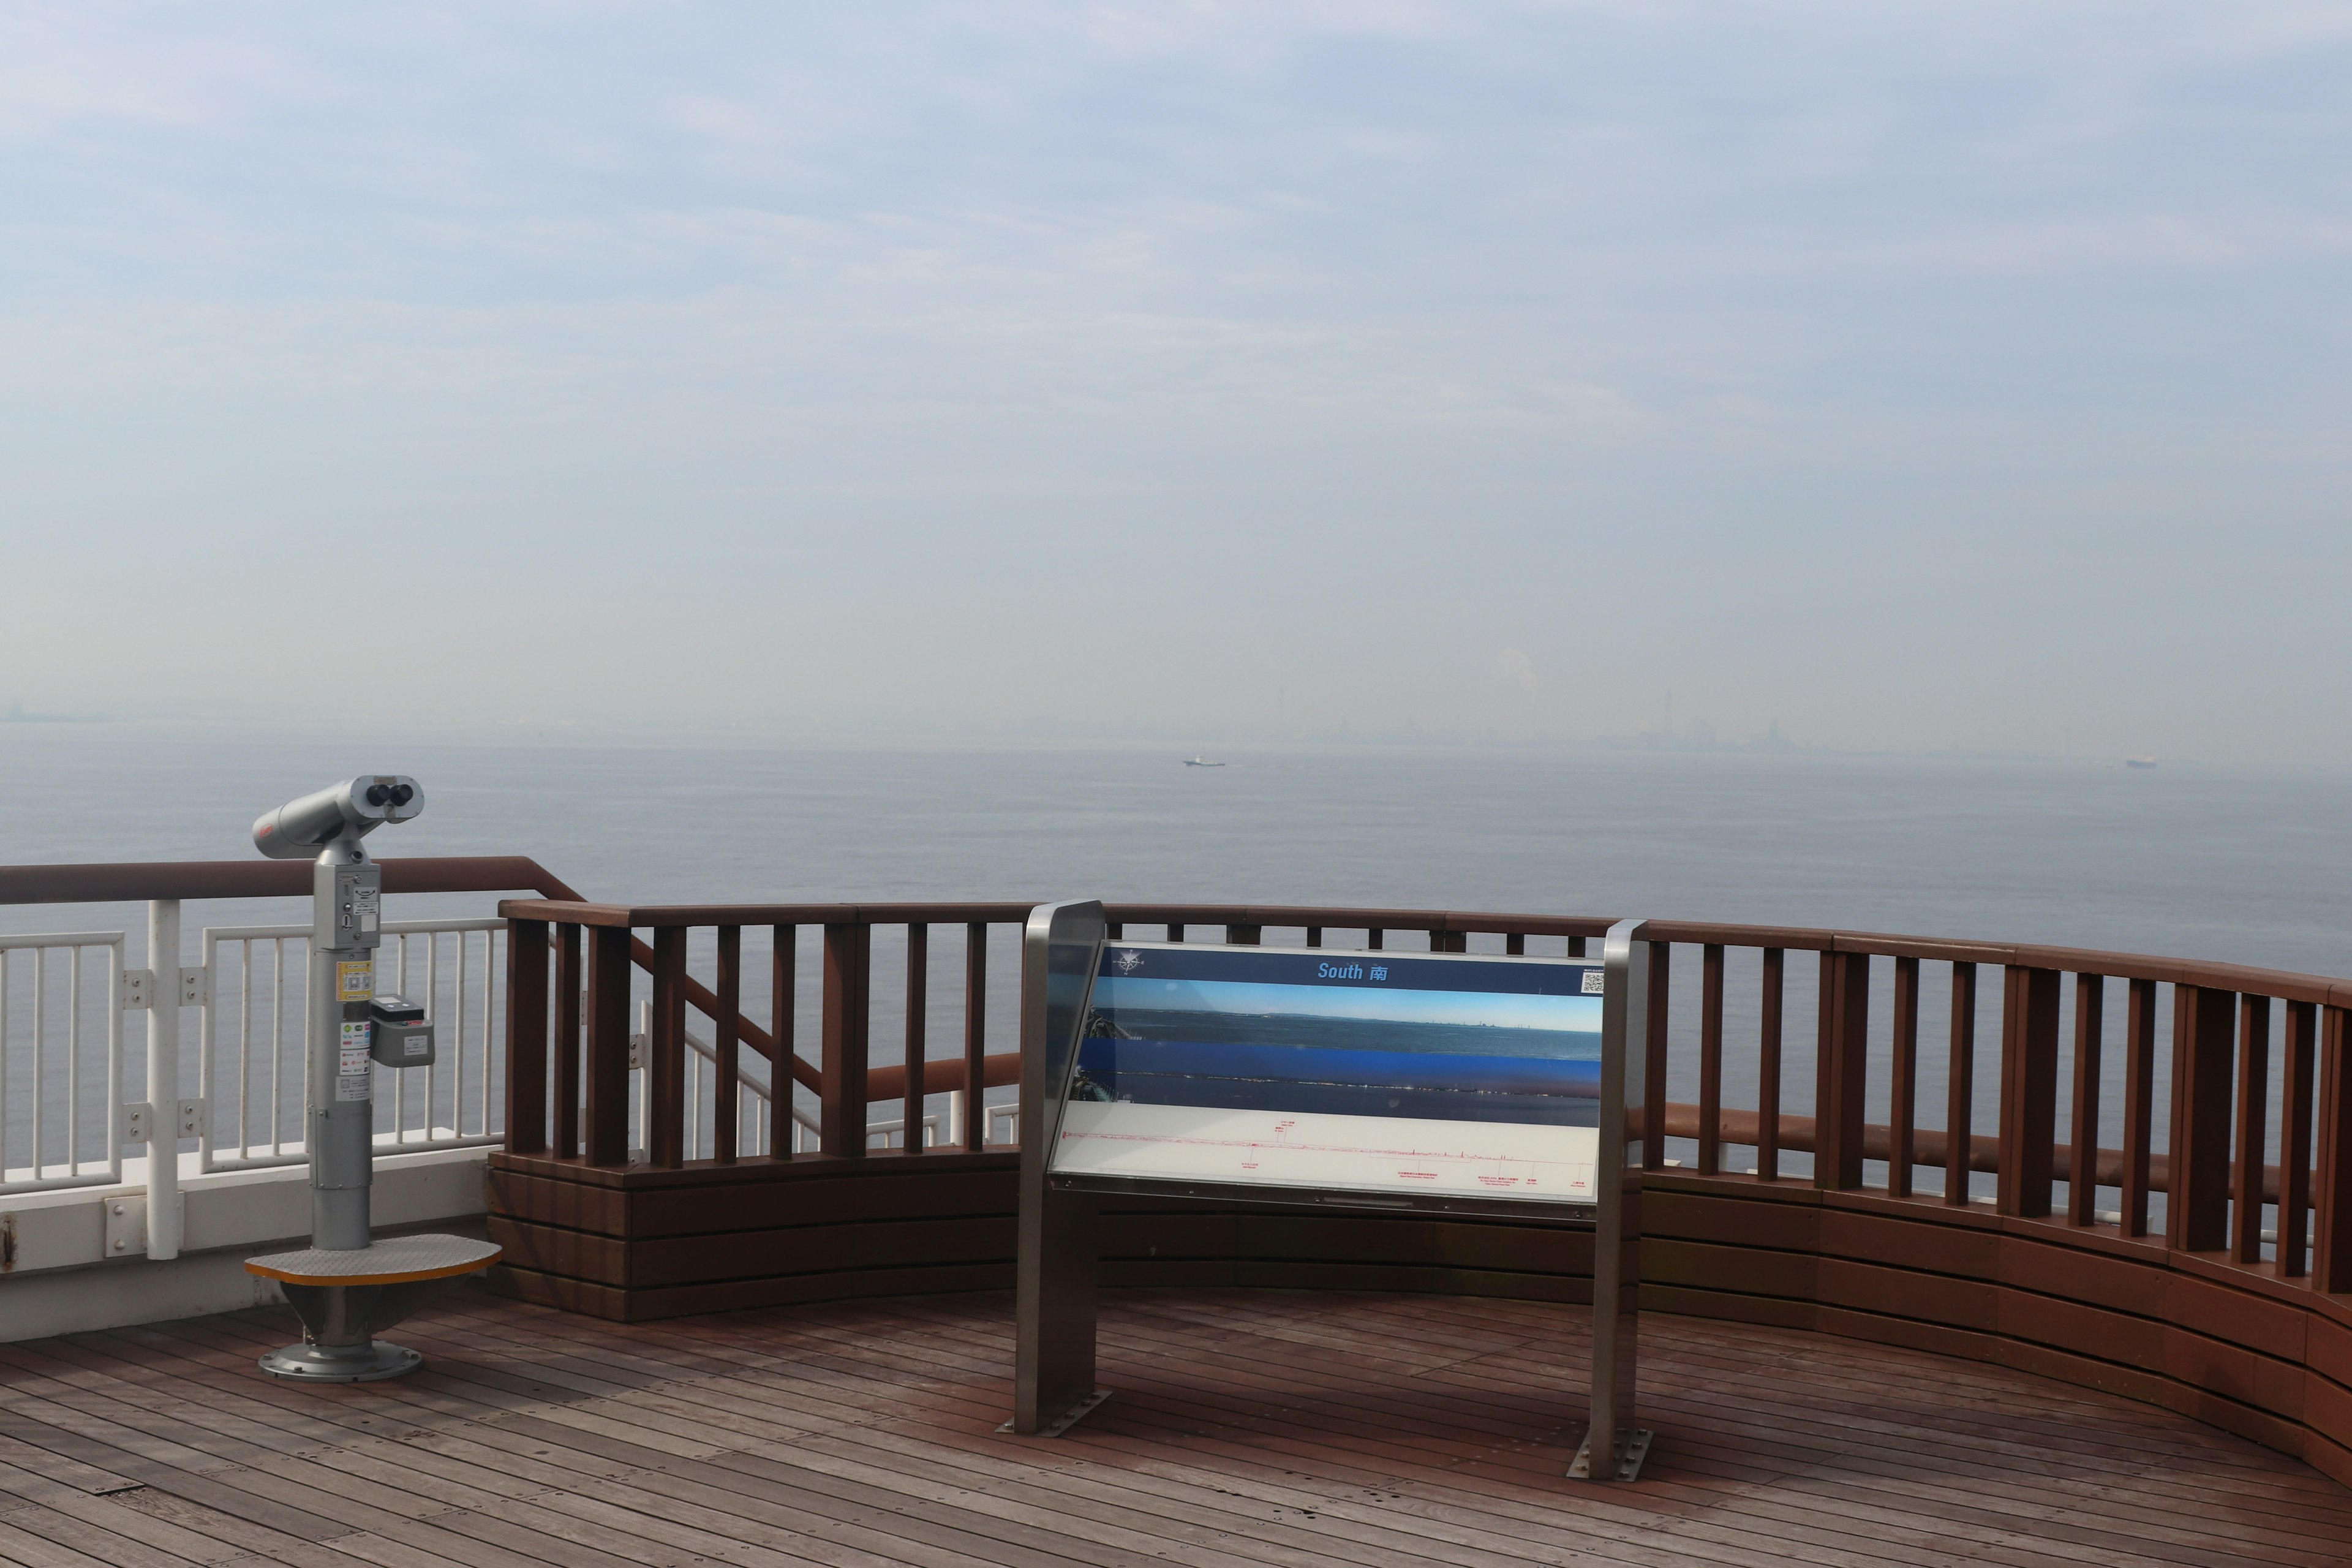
(163,1080)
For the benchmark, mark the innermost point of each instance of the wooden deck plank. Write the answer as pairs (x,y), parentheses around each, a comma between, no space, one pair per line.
(806,1423)
(1932,1559)
(1252,1429)
(1915,1433)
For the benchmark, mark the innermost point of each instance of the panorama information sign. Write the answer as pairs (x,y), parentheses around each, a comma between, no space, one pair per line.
(1421,1077)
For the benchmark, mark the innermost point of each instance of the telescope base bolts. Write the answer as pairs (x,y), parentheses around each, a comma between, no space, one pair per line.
(338,1342)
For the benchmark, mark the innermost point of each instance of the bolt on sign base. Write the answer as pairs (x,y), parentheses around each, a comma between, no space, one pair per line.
(1630,1455)
(1067,1418)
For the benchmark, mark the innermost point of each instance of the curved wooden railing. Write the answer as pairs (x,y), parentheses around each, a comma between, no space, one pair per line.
(2207,1265)
(2219,1282)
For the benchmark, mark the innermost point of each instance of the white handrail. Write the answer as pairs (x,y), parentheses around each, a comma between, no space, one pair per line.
(76,1169)
(273,1080)
(762,1095)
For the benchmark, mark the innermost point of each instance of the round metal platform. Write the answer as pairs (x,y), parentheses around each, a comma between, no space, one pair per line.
(395,1260)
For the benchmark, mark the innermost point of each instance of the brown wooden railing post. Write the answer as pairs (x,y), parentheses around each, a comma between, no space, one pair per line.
(1903,1087)
(2029,1092)
(1768,1070)
(2295,1139)
(783,1006)
(726,1095)
(918,981)
(2083,1136)
(1841,1064)
(2196,1202)
(2139,1103)
(570,981)
(1242,935)
(664,1087)
(848,958)
(1175,930)
(1960,1085)
(2332,1257)
(1653,1059)
(1315,936)
(1710,1059)
(608,1045)
(2252,1134)
(975,1034)
(1449,941)
(1514,944)
(527,1037)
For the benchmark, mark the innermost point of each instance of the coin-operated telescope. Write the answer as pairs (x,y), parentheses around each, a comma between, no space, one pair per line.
(347,903)
(344,1288)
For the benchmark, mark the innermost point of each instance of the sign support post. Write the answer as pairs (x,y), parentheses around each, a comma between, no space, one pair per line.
(1617,1228)
(1054,1358)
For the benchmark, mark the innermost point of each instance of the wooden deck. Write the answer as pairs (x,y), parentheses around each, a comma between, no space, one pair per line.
(1306,1428)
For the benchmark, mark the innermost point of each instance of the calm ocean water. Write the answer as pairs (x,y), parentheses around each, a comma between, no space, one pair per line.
(2180,859)
(2183,859)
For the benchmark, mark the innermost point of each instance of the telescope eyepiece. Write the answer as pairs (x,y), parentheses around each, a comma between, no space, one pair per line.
(350,811)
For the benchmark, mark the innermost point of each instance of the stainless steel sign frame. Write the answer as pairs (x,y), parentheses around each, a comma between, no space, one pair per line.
(1079,1146)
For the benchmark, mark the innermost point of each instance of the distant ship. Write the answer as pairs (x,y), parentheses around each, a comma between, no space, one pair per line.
(2139,762)
(1204,762)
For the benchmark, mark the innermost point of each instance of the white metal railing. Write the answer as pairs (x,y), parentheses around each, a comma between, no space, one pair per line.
(65,1066)
(74,1138)
(755,1131)
(254,1064)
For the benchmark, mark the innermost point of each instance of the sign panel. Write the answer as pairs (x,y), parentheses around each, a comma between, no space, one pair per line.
(1424,1074)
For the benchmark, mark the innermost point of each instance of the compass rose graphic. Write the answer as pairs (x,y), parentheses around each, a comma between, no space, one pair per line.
(1128,962)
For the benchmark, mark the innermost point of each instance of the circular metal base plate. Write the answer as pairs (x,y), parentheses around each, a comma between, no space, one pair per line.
(339,1364)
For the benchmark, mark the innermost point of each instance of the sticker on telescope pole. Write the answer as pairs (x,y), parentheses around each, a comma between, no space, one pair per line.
(354,979)
(365,905)
(355,1075)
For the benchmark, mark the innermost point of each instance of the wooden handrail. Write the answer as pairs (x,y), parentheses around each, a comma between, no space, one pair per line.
(2000,1274)
(188,879)
(1844,1024)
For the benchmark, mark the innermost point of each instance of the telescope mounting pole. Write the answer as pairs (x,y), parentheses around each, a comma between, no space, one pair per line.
(347,900)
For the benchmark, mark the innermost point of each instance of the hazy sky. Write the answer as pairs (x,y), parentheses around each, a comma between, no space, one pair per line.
(1914,375)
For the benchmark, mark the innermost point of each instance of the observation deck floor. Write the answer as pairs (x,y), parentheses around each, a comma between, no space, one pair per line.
(1301,1428)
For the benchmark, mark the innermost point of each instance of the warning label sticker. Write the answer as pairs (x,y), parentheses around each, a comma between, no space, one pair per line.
(354,980)
(354,1073)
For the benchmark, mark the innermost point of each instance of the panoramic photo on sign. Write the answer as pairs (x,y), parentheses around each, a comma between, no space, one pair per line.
(1433,1073)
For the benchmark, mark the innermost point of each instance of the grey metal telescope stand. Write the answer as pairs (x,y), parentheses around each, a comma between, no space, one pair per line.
(345,1287)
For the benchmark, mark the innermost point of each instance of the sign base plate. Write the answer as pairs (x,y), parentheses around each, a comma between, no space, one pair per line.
(1629,1458)
(1067,1418)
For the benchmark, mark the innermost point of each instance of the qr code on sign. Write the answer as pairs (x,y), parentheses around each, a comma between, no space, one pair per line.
(1593,983)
